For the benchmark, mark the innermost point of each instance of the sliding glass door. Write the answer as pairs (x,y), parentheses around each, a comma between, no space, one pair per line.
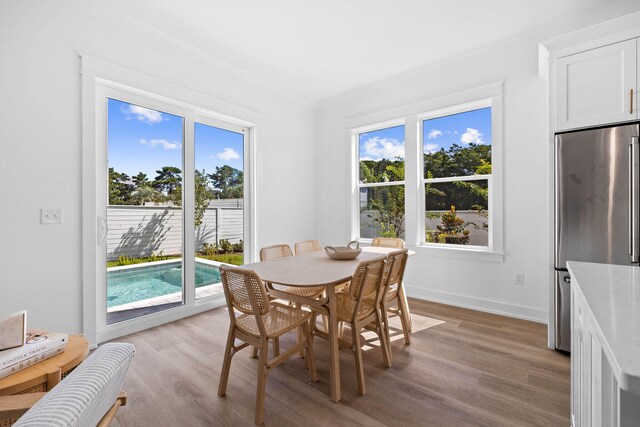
(172,202)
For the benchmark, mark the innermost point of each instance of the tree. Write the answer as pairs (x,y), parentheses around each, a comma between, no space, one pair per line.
(203,196)
(140,180)
(385,203)
(228,181)
(120,188)
(168,180)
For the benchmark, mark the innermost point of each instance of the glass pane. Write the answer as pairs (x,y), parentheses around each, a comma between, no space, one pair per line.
(457,213)
(219,204)
(382,211)
(144,211)
(382,155)
(458,145)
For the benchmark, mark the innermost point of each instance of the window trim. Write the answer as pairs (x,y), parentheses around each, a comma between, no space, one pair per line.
(412,115)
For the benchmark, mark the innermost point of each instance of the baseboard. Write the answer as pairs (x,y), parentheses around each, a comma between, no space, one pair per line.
(480,304)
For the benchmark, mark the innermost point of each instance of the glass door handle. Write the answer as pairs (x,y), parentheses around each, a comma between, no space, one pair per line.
(103,230)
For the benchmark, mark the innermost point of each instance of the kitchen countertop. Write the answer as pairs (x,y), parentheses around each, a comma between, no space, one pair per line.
(612,293)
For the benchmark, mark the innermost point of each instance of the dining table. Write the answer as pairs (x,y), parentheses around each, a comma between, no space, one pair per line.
(317,269)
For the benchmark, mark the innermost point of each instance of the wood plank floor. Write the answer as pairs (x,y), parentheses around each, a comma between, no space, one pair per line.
(462,368)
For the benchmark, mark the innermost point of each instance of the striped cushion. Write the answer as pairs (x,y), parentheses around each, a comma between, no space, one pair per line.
(85,396)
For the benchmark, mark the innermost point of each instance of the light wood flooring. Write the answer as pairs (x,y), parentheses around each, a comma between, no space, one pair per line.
(462,368)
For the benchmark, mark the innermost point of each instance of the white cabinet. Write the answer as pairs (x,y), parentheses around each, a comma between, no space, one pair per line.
(598,86)
(597,397)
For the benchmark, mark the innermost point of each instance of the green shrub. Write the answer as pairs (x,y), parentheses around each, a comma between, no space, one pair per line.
(225,246)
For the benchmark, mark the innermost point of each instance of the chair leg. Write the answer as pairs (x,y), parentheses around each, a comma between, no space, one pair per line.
(383,335)
(254,352)
(357,351)
(402,302)
(405,319)
(325,323)
(276,347)
(262,383)
(310,359)
(226,365)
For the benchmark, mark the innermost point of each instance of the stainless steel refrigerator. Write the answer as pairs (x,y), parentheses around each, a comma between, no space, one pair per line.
(597,207)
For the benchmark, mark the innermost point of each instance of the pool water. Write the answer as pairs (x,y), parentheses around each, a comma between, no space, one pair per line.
(144,282)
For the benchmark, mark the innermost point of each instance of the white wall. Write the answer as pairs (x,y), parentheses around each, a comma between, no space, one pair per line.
(40,143)
(485,285)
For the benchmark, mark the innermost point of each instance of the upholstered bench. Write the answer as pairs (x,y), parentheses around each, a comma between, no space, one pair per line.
(89,396)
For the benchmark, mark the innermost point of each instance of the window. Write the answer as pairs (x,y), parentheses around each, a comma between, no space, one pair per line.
(457,177)
(430,174)
(381,182)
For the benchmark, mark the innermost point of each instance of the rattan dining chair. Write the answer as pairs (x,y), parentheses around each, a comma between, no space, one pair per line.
(388,242)
(269,253)
(259,320)
(395,265)
(359,306)
(272,252)
(307,246)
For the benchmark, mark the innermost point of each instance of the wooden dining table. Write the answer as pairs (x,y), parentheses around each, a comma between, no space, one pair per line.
(317,269)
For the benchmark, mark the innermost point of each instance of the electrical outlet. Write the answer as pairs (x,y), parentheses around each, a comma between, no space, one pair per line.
(518,278)
(50,216)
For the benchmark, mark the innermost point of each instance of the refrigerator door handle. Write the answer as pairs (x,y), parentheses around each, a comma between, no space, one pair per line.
(634,200)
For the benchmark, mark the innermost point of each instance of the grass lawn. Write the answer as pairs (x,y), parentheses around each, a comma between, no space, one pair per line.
(231,258)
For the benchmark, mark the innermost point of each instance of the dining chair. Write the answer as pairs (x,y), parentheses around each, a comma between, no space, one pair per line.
(307,246)
(388,242)
(359,306)
(393,294)
(256,319)
(272,252)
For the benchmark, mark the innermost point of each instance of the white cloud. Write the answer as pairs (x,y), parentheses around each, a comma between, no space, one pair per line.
(434,134)
(472,135)
(142,114)
(228,154)
(153,143)
(431,148)
(377,148)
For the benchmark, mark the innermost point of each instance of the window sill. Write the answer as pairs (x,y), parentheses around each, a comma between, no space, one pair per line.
(449,251)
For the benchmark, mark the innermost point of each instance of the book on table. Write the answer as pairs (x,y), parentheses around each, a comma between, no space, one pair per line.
(38,346)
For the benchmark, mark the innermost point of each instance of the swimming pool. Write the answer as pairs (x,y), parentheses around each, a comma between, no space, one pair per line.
(137,283)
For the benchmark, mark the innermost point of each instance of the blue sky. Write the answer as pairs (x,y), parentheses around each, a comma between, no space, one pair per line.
(462,129)
(442,132)
(144,140)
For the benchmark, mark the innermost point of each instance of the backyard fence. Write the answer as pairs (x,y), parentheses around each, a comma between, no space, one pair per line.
(140,231)
(370,229)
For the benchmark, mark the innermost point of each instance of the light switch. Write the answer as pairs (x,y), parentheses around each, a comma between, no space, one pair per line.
(50,216)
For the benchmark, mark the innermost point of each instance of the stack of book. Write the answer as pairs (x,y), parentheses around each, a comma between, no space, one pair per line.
(38,346)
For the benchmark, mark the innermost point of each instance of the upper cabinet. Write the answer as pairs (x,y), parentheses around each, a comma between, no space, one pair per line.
(599,86)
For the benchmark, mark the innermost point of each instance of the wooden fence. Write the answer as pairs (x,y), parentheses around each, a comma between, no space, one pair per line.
(139,231)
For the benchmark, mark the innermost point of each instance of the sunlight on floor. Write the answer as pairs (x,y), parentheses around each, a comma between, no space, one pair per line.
(419,323)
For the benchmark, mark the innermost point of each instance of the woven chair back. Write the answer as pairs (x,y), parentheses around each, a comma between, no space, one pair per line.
(388,242)
(244,291)
(366,280)
(394,267)
(307,246)
(275,252)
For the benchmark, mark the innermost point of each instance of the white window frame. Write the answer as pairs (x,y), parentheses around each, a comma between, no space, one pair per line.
(490,95)
(101,81)
(355,135)
(486,103)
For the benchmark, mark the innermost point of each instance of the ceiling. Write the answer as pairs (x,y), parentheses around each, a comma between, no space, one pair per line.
(320,49)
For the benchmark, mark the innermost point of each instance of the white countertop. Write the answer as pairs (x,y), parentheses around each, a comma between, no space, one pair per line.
(612,293)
